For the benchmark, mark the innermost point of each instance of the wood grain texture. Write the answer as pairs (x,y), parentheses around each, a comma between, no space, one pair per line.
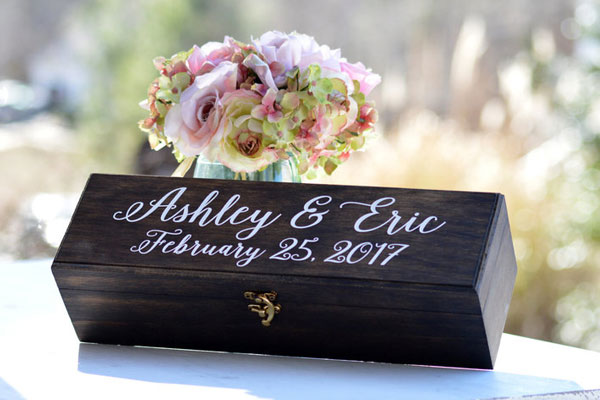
(450,256)
(301,329)
(225,285)
(441,301)
(497,277)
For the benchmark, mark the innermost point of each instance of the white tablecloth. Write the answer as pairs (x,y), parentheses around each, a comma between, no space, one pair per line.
(41,358)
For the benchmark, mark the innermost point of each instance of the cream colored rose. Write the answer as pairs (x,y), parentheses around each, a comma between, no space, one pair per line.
(239,142)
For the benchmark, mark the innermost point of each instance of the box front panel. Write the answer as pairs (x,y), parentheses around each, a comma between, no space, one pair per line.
(300,328)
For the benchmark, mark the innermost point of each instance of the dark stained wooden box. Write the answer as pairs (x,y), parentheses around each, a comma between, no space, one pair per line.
(360,273)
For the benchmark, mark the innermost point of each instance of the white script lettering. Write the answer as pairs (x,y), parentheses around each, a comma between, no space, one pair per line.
(361,224)
(160,242)
(317,217)
(172,211)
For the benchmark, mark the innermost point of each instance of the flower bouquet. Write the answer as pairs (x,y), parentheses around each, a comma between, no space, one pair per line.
(249,105)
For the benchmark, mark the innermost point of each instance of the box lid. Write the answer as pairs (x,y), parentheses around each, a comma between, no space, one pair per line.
(409,236)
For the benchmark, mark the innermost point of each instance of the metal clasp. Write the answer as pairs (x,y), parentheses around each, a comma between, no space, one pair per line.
(265,306)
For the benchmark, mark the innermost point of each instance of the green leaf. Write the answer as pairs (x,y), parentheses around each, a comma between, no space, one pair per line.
(357,142)
(325,85)
(161,108)
(356,86)
(339,85)
(303,80)
(321,90)
(164,82)
(314,72)
(329,167)
(359,97)
(311,174)
(292,73)
(307,100)
(167,95)
(181,80)
(290,101)
(269,129)
(302,167)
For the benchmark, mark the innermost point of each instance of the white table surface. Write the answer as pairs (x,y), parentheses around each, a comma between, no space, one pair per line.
(41,358)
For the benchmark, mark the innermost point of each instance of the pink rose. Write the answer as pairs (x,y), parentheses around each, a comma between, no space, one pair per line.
(360,73)
(192,123)
(280,47)
(204,59)
(283,52)
(327,58)
(262,70)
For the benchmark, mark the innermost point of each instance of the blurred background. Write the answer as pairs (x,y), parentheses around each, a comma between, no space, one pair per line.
(482,96)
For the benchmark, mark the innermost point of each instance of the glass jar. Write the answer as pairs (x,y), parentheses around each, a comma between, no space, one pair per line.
(279,171)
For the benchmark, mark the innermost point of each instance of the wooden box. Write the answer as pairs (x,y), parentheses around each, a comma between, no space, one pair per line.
(360,273)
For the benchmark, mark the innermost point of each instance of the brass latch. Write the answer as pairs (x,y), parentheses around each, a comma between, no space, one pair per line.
(265,306)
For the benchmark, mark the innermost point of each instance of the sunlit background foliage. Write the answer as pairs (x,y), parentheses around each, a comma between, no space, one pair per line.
(482,96)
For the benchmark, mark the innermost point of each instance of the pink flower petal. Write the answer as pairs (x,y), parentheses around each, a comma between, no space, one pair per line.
(269,98)
(274,116)
(258,112)
(261,69)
